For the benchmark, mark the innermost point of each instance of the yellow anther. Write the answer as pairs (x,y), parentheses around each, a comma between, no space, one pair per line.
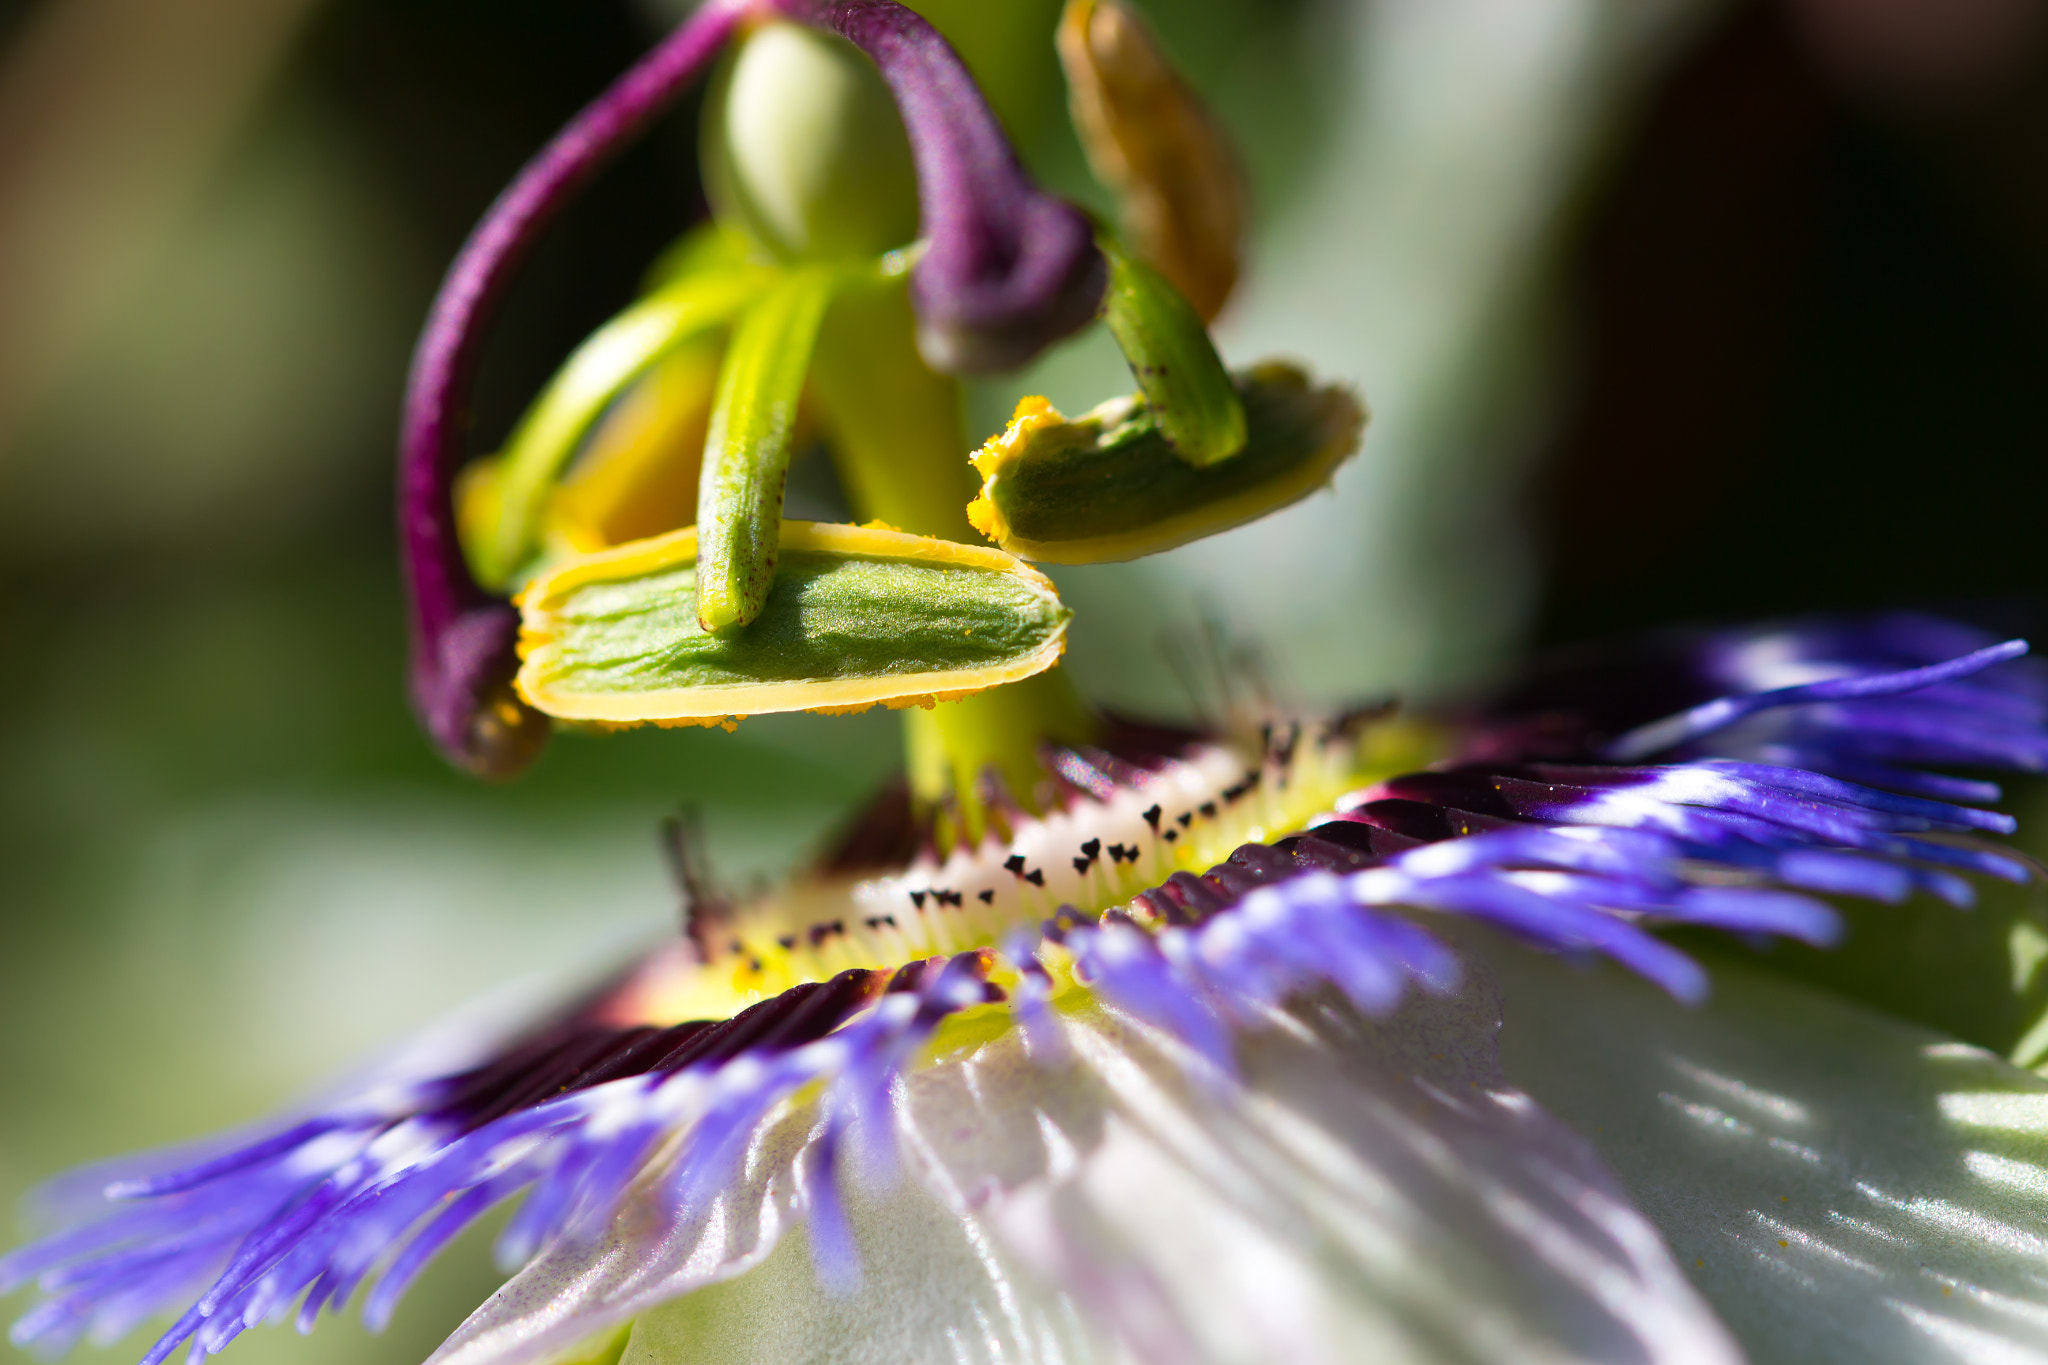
(1180,189)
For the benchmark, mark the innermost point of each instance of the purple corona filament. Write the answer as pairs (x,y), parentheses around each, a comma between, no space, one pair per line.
(1006,270)
(1723,712)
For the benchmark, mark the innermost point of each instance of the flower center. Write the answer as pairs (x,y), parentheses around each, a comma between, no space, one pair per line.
(1121,824)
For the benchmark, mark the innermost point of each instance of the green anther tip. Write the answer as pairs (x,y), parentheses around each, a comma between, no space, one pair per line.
(747,445)
(1197,407)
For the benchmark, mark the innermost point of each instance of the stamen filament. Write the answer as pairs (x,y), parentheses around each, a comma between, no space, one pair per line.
(516,489)
(950,746)
(746,451)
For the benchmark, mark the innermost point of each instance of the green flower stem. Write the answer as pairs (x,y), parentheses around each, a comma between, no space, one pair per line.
(507,524)
(1173,360)
(746,450)
(948,748)
(897,432)
(900,440)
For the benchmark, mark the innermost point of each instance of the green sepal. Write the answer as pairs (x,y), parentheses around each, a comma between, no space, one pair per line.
(503,501)
(1109,486)
(1980,974)
(856,616)
(1197,408)
(746,450)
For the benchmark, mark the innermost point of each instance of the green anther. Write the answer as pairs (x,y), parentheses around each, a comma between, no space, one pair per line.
(1194,403)
(1108,486)
(746,450)
(503,501)
(857,616)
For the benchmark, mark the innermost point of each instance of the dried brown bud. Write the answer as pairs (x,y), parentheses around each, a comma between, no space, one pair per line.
(1179,186)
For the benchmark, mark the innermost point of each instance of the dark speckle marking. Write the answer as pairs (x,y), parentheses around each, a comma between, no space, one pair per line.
(1092,849)
(952,898)
(1152,817)
(1208,809)
(985,897)
(1036,876)
(788,942)
(1083,864)
(1184,819)
(1283,750)
(1014,863)
(917,899)
(1171,835)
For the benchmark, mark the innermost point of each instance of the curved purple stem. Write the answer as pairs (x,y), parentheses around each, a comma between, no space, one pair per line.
(1008,269)
(463,656)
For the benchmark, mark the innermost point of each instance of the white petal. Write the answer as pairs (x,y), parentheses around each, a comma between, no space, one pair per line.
(740,1286)
(1366,1192)
(1842,1185)
(1375,1194)
(574,1289)
(934,1288)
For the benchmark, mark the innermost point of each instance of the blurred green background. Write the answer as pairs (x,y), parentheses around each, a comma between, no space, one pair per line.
(1667,310)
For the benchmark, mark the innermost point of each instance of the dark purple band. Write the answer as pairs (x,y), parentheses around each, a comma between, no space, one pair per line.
(462,638)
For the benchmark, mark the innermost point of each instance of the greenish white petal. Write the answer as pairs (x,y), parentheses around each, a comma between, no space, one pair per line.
(1375,1193)
(1842,1185)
